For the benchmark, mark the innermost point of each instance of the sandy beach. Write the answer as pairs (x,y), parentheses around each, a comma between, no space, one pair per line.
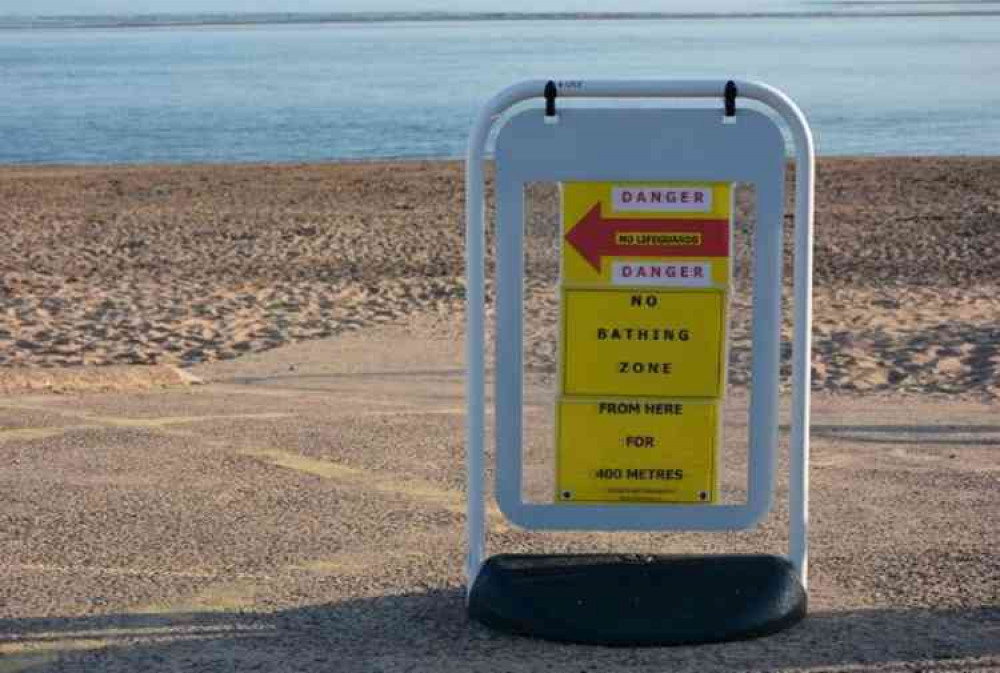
(183,265)
(304,509)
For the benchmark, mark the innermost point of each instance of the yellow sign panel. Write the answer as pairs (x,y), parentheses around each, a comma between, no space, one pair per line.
(608,224)
(638,342)
(645,280)
(636,451)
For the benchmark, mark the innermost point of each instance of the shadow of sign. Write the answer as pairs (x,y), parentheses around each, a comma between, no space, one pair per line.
(429,631)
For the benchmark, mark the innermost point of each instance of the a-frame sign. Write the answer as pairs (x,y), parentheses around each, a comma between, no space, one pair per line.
(646,245)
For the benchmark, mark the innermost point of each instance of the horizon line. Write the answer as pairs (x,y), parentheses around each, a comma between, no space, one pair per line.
(192,19)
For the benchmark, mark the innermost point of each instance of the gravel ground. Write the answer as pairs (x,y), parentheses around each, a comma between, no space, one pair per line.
(303,511)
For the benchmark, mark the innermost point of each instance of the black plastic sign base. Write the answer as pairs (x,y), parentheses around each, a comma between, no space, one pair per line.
(620,600)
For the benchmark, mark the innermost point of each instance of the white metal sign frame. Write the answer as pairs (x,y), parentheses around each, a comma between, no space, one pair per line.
(558,158)
(628,145)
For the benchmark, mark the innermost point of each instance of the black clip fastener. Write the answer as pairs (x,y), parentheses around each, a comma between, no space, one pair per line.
(730,96)
(550,99)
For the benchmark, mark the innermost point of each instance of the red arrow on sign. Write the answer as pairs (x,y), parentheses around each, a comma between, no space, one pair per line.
(595,237)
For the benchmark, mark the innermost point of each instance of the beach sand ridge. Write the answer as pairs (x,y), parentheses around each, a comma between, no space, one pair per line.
(182,265)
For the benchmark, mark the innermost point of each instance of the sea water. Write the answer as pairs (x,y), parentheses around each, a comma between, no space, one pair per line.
(315,91)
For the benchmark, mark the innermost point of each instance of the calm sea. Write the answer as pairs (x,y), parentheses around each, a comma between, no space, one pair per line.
(319,91)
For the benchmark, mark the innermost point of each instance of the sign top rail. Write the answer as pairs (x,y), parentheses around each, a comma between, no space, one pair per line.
(644,88)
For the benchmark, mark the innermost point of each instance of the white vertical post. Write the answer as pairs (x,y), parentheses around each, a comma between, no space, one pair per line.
(475,335)
(798,478)
(475,358)
(798,468)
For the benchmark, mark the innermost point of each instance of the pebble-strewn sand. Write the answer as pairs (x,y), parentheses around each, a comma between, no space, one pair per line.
(186,264)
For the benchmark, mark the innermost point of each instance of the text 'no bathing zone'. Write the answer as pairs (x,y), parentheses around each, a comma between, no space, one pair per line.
(643,343)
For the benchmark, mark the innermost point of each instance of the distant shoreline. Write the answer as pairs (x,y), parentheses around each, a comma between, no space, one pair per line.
(391,160)
(17,22)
